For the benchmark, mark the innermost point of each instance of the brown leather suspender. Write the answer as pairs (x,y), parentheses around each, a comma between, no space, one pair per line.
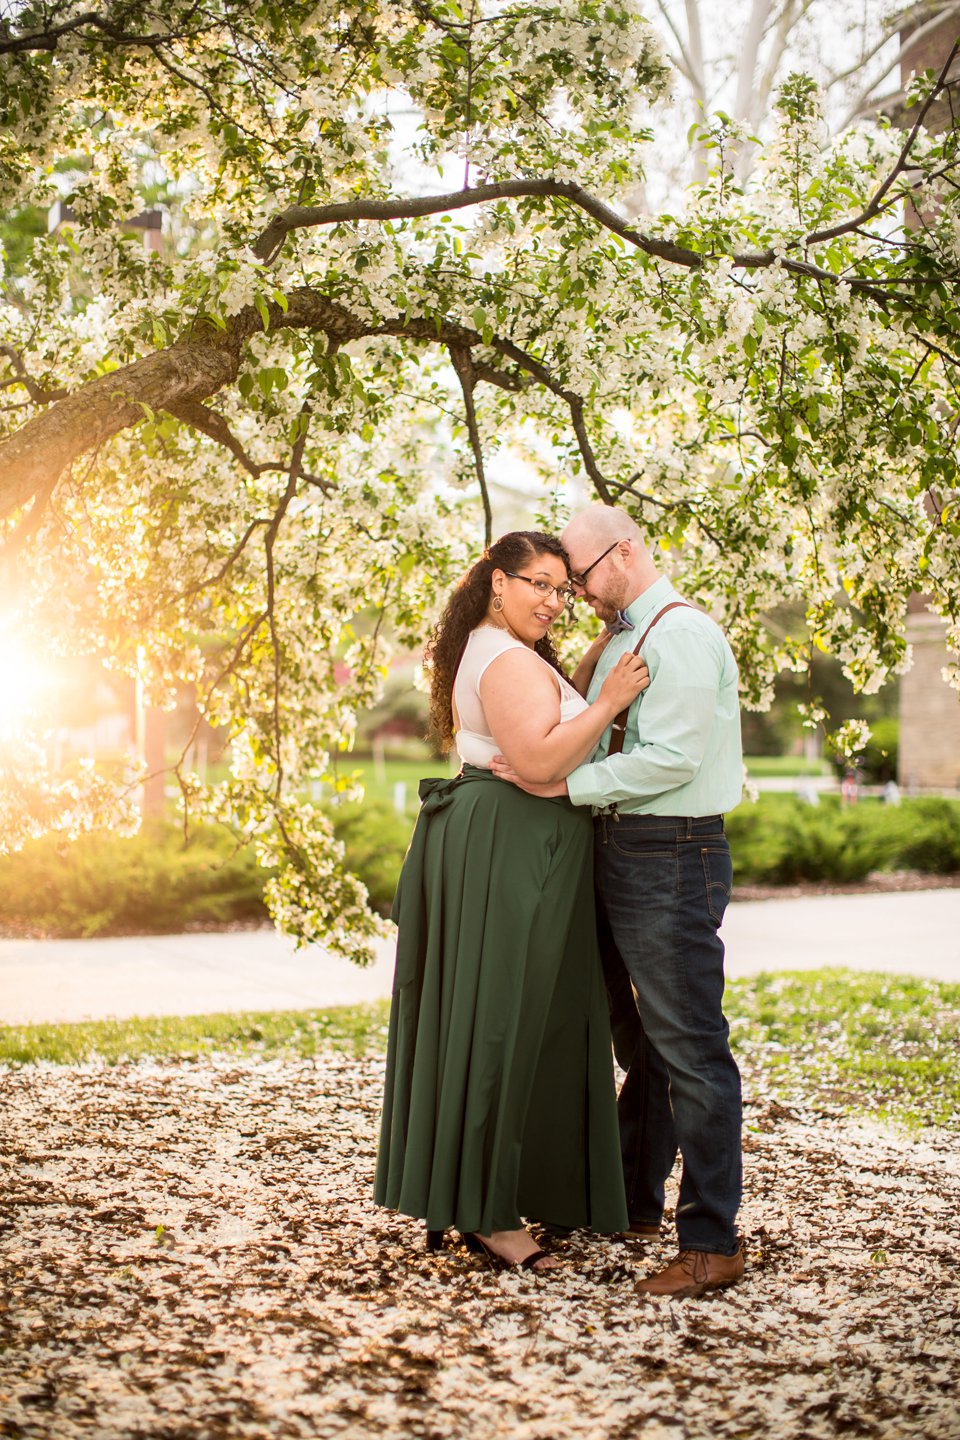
(620,723)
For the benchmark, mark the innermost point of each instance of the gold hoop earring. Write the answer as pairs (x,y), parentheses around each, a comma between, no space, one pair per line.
(497,603)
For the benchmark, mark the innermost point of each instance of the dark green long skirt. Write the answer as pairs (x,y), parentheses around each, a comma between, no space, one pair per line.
(500,1099)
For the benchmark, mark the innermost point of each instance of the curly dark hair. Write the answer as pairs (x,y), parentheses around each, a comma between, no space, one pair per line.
(466,609)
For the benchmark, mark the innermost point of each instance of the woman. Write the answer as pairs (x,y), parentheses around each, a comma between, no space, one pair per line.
(499,1097)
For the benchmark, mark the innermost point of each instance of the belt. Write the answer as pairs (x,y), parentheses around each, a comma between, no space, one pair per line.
(682,826)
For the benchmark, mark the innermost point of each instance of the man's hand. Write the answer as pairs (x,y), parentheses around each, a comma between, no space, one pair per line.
(504,771)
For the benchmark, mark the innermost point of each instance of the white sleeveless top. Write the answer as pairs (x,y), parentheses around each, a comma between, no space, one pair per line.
(475,744)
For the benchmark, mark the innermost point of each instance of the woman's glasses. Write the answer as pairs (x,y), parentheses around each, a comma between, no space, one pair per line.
(544,589)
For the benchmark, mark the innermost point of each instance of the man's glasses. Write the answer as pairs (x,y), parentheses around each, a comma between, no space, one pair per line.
(581,577)
(544,589)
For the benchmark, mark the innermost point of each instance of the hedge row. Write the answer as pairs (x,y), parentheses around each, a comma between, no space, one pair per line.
(781,840)
(150,883)
(155,882)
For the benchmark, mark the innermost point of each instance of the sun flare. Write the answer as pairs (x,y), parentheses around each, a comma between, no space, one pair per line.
(25,681)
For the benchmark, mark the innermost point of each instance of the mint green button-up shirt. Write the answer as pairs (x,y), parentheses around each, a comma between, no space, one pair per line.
(681,750)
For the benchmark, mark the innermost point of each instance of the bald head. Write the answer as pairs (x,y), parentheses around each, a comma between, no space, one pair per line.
(607,546)
(601,525)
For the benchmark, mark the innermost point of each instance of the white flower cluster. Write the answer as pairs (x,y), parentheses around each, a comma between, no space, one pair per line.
(313,897)
(781,439)
(33,802)
(849,738)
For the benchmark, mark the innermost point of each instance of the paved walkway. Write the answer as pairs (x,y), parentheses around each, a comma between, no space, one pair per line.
(44,981)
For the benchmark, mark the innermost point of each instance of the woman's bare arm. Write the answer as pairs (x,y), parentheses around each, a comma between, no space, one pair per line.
(521,700)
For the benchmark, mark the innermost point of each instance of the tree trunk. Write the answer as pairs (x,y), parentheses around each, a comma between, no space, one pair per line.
(32,460)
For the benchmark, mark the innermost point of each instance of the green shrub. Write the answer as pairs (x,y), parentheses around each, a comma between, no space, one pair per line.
(932,839)
(155,883)
(376,840)
(152,882)
(781,840)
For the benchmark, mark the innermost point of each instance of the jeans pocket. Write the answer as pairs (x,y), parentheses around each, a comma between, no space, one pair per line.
(718,878)
(640,844)
(639,885)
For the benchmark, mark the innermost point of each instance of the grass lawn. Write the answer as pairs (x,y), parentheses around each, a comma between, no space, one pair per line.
(882,1044)
(759,767)
(355,1029)
(834,1040)
(379,783)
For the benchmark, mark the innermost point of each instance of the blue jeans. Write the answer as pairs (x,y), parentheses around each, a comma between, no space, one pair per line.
(663,883)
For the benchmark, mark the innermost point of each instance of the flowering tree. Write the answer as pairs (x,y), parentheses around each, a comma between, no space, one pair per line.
(216,459)
(733,57)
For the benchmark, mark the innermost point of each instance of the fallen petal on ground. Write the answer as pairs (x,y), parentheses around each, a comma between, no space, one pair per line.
(190,1249)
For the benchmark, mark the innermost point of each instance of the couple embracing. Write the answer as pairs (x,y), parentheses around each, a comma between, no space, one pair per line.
(570,882)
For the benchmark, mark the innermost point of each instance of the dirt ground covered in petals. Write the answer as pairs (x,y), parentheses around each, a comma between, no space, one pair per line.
(189,1249)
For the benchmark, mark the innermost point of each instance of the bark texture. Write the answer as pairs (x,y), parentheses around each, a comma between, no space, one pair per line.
(191,370)
(32,460)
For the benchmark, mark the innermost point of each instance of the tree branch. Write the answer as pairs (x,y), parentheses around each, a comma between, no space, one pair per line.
(875,204)
(211,423)
(628,487)
(301,217)
(463,365)
(48,39)
(574,403)
(189,371)
(297,217)
(36,392)
(227,565)
(39,452)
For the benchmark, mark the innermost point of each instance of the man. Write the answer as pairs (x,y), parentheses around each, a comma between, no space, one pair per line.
(663,875)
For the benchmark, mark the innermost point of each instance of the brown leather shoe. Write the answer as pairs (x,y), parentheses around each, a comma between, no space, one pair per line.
(694,1272)
(639,1231)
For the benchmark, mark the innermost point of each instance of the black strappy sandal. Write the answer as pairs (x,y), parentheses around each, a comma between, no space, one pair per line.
(476,1246)
(479,1247)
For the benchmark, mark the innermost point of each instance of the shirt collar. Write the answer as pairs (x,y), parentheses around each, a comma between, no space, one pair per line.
(649,601)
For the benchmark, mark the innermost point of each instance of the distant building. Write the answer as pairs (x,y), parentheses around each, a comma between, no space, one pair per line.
(929,709)
(929,750)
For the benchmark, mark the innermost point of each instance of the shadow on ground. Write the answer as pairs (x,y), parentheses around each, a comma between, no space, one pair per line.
(191,1251)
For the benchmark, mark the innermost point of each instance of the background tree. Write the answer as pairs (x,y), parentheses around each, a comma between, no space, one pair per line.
(733,58)
(269,429)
